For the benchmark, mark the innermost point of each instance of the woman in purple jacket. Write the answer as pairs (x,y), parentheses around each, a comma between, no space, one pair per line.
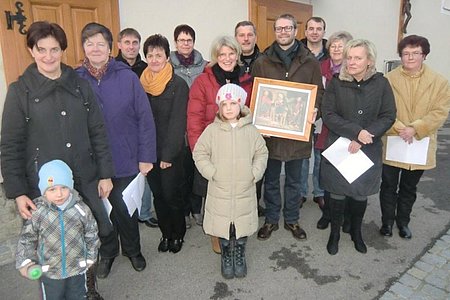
(131,134)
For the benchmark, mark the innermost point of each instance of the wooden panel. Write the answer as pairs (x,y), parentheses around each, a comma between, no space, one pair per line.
(71,15)
(80,17)
(263,14)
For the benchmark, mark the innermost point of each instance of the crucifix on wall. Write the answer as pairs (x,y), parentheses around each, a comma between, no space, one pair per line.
(404,18)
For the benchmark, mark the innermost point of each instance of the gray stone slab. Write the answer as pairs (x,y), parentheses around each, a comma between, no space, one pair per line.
(402,290)
(434,292)
(426,267)
(410,281)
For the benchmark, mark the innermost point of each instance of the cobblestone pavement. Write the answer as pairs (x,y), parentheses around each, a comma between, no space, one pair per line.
(428,278)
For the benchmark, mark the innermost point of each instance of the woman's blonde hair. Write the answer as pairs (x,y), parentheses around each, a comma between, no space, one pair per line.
(227,41)
(371,55)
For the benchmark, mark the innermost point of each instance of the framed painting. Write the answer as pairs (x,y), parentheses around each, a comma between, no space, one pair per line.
(281,108)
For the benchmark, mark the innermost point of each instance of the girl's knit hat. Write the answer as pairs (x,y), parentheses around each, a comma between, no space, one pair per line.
(55,172)
(231,91)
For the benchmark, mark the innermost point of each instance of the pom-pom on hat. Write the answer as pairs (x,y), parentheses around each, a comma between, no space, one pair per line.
(55,172)
(231,91)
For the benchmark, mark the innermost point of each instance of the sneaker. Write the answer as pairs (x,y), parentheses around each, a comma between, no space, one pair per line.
(152,223)
(188,222)
(198,219)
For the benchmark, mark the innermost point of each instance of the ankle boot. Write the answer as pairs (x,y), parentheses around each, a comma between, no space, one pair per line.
(227,264)
(337,214)
(346,227)
(325,219)
(357,210)
(91,284)
(240,264)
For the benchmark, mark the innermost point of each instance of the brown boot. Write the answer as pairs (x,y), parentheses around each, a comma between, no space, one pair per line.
(215,244)
(91,283)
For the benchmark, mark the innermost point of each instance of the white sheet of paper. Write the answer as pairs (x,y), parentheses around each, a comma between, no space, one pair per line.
(350,165)
(415,153)
(132,194)
(108,207)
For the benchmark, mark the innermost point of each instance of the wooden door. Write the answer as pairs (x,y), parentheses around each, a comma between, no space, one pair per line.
(263,14)
(72,15)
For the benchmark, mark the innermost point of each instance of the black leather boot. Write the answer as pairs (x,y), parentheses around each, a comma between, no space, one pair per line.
(240,263)
(91,283)
(337,215)
(325,219)
(357,210)
(227,263)
(346,227)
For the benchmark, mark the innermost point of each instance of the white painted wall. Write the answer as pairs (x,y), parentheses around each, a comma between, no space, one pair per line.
(377,21)
(374,20)
(209,18)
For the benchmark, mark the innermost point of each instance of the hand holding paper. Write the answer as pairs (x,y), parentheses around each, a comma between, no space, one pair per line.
(350,165)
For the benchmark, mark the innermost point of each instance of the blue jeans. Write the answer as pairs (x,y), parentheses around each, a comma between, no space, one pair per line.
(146,212)
(272,192)
(304,189)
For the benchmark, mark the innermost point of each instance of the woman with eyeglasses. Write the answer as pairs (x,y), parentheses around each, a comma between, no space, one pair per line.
(131,134)
(202,108)
(423,101)
(50,113)
(188,63)
(329,68)
(358,105)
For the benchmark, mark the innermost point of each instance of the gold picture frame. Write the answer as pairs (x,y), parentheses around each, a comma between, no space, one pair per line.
(281,108)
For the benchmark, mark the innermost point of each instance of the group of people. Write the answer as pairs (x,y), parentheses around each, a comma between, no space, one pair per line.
(71,138)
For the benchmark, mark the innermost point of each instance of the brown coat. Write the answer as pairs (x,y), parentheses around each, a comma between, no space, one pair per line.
(303,69)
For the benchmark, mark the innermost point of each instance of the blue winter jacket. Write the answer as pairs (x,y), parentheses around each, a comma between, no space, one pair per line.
(128,117)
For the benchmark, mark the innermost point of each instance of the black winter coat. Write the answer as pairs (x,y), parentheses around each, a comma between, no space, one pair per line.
(46,119)
(348,108)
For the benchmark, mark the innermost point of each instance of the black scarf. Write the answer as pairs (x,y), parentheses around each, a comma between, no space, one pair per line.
(286,56)
(224,77)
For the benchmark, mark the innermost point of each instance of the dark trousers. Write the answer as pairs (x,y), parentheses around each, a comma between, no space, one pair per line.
(167,191)
(89,193)
(72,288)
(397,194)
(192,202)
(272,192)
(125,227)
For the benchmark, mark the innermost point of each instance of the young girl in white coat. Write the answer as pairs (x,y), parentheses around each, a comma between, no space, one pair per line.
(232,155)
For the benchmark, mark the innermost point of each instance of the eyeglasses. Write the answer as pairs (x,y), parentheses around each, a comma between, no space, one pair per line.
(279,29)
(183,41)
(336,47)
(413,54)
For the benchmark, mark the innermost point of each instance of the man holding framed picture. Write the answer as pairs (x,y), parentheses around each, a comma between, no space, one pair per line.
(286,59)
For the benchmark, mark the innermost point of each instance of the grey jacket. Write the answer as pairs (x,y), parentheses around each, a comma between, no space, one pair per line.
(191,72)
(61,241)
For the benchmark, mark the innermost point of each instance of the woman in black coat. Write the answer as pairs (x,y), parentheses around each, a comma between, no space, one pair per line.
(359,106)
(50,113)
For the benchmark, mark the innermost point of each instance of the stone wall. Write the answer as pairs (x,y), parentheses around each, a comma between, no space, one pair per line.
(11,224)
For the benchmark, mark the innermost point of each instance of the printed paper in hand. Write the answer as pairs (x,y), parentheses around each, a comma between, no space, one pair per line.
(132,194)
(350,165)
(399,150)
(108,207)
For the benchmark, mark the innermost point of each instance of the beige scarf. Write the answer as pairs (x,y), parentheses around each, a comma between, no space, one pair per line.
(155,84)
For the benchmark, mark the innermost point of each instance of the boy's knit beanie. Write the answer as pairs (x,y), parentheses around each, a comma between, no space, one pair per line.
(55,172)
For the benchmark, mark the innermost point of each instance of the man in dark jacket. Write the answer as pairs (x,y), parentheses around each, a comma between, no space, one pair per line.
(245,34)
(314,41)
(286,59)
(129,43)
